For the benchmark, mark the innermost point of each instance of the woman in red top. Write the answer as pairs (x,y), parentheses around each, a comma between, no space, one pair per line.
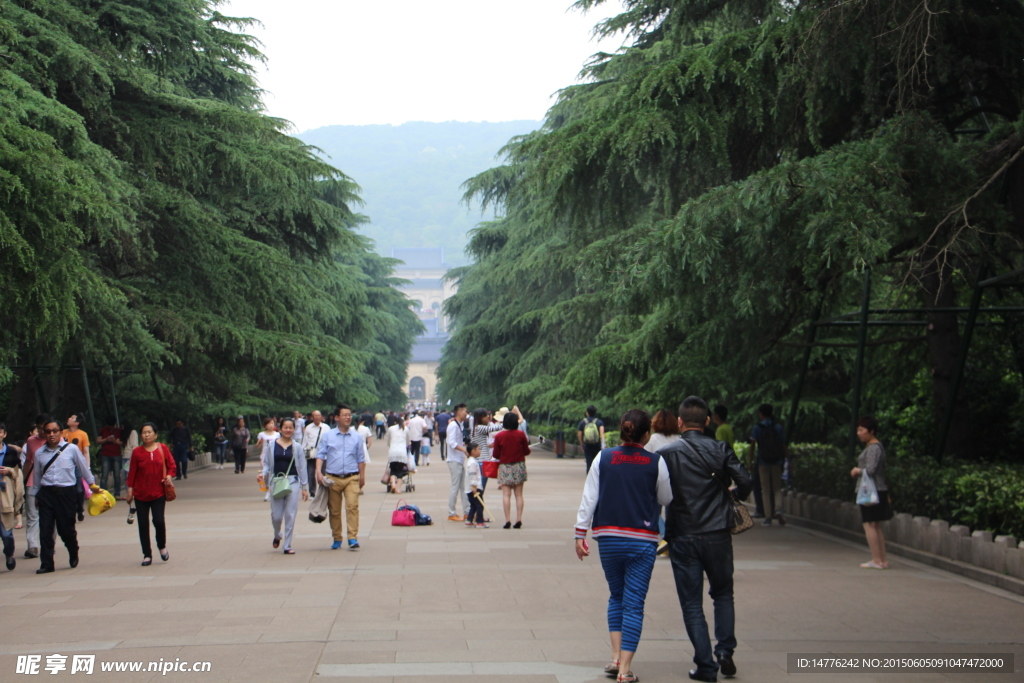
(151,465)
(510,449)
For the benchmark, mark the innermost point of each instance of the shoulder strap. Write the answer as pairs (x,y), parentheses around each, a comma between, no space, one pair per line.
(50,462)
(319,431)
(704,462)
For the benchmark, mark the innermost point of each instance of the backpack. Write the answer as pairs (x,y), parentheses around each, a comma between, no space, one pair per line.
(591,433)
(770,448)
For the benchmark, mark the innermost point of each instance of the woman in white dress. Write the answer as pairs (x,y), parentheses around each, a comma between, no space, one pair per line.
(398,455)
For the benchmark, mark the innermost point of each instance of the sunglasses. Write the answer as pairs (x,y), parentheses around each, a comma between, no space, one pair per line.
(52,431)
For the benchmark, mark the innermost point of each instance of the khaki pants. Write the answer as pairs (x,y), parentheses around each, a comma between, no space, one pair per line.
(344,489)
(771,488)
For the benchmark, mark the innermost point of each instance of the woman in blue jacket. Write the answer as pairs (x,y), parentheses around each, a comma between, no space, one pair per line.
(625,489)
(286,457)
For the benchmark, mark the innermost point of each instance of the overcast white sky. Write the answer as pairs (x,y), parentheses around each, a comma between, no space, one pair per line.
(361,62)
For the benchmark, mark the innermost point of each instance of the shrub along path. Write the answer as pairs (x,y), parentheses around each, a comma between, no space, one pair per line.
(443,602)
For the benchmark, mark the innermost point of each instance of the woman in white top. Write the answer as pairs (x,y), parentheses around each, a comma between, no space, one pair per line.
(269,434)
(398,458)
(130,444)
(664,430)
(484,429)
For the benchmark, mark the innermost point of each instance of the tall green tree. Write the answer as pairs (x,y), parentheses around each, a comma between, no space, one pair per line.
(153,216)
(690,206)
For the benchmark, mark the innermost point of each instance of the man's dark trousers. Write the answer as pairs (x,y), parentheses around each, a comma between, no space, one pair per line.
(57,507)
(692,557)
(181,458)
(591,451)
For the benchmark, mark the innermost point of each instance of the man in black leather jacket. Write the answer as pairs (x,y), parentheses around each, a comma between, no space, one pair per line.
(697,529)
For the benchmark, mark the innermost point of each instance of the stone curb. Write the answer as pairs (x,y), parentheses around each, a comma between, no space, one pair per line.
(997,562)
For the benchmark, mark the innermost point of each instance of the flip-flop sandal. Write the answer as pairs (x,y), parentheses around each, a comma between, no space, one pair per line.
(612,669)
(871,565)
(627,678)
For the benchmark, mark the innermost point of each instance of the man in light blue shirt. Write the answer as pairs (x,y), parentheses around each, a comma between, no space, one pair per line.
(341,456)
(60,468)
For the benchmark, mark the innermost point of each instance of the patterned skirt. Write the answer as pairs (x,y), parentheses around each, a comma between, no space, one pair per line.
(511,474)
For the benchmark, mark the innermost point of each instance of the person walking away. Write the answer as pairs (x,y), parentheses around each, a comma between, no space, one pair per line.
(769,439)
(723,430)
(441,421)
(457,464)
(110,454)
(510,449)
(590,433)
(312,434)
(379,422)
(398,454)
(12,494)
(75,435)
(342,457)
(285,457)
(872,461)
(664,430)
(476,504)
(697,529)
(61,467)
(180,437)
(32,445)
(151,465)
(240,444)
(416,428)
(626,487)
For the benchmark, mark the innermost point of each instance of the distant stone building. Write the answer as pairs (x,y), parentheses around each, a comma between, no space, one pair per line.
(425,270)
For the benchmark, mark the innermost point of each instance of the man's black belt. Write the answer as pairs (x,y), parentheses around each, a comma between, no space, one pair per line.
(350,474)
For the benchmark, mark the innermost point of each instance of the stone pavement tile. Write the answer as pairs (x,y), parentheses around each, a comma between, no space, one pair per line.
(295,634)
(360,634)
(441,644)
(335,657)
(280,662)
(499,631)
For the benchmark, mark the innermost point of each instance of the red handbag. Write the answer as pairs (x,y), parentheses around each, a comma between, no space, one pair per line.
(403,517)
(489,468)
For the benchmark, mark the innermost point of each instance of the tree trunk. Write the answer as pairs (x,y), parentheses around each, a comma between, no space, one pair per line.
(943,350)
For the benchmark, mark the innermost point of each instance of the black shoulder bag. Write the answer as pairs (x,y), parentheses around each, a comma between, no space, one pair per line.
(50,462)
(740,519)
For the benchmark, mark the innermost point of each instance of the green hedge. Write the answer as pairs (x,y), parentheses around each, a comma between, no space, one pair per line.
(978,495)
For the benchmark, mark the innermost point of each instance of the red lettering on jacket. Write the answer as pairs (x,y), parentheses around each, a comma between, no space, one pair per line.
(628,459)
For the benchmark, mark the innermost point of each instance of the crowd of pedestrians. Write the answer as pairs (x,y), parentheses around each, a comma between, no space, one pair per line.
(666,489)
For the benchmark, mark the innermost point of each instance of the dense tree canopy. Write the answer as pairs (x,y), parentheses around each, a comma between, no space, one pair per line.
(153,216)
(708,190)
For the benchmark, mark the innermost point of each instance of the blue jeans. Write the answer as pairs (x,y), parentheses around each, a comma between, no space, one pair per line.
(692,557)
(219,452)
(111,464)
(8,540)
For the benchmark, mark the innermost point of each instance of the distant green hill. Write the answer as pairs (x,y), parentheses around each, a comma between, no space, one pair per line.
(411,174)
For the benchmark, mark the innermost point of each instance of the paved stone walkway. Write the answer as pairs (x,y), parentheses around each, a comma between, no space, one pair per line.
(450,603)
